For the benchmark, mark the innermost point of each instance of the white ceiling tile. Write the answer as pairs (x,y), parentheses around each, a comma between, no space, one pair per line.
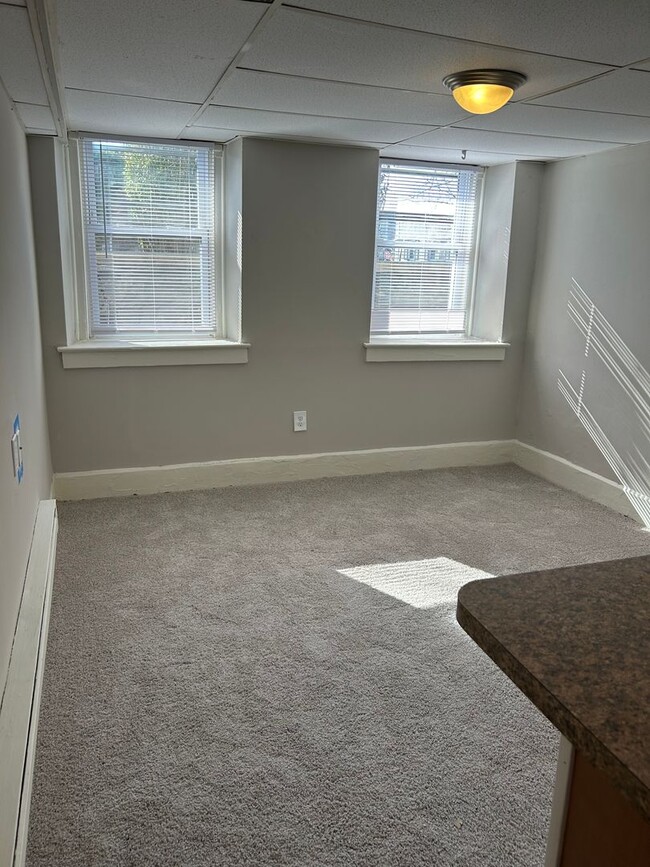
(607,31)
(265,90)
(317,46)
(624,91)
(205,133)
(199,133)
(505,142)
(14,2)
(19,69)
(166,49)
(643,65)
(443,155)
(564,122)
(126,115)
(36,117)
(278,123)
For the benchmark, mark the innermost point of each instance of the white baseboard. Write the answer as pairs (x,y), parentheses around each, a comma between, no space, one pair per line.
(22,694)
(290,468)
(563,473)
(286,468)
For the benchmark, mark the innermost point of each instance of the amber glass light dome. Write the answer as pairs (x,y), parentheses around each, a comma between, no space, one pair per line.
(481,91)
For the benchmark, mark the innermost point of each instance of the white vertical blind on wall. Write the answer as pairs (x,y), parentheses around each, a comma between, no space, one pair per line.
(427,221)
(149,223)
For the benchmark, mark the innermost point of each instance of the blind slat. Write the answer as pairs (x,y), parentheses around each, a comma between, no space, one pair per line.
(425,241)
(149,221)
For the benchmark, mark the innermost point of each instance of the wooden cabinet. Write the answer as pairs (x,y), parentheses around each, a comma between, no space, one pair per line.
(602,827)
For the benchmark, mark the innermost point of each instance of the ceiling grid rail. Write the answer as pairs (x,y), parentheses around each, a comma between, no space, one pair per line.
(259,28)
(44,31)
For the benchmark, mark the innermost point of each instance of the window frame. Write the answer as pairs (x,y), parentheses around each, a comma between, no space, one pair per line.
(83,281)
(438,338)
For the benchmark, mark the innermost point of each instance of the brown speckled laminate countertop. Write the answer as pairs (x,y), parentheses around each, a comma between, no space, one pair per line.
(576,641)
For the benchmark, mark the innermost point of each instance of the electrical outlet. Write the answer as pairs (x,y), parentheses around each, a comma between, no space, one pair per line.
(17,451)
(300,420)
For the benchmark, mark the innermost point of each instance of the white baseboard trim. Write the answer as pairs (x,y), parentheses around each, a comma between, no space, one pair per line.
(22,694)
(286,468)
(565,474)
(290,468)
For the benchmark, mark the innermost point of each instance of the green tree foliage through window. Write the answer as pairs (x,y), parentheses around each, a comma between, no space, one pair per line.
(155,179)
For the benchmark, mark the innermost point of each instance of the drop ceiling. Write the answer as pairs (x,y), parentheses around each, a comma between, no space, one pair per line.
(367,72)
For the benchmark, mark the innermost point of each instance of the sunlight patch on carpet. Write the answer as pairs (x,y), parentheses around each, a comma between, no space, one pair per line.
(420,583)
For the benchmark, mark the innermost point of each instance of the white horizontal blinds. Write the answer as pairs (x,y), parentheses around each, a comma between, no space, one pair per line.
(150,238)
(426,234)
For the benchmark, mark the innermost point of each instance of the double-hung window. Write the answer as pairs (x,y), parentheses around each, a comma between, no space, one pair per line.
(150,224)
(426,238)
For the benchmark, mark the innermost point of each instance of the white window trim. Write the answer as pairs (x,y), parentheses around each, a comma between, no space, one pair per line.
(427,349)
(133,353)
(472,289)
(422,347)
(484,342)
(85,351)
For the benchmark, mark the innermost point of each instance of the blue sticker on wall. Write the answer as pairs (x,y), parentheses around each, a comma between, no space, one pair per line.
(20,471)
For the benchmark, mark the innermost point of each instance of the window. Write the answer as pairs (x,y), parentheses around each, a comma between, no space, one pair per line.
(148,216)
(427,221)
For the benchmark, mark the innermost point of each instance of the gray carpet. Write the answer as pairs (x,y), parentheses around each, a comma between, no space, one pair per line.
(225,686)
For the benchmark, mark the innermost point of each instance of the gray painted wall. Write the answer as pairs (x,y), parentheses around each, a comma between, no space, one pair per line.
(308,238)
(593,229)
(21,379)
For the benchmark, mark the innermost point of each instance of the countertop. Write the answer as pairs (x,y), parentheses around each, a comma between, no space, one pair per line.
(576,641)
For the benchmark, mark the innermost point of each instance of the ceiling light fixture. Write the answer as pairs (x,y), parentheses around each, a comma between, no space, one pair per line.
(481,91)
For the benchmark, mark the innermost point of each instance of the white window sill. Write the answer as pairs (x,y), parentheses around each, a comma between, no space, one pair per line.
(148,353)
(422,349)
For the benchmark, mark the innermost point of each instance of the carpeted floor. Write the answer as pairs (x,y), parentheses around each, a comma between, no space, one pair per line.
(225,685)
